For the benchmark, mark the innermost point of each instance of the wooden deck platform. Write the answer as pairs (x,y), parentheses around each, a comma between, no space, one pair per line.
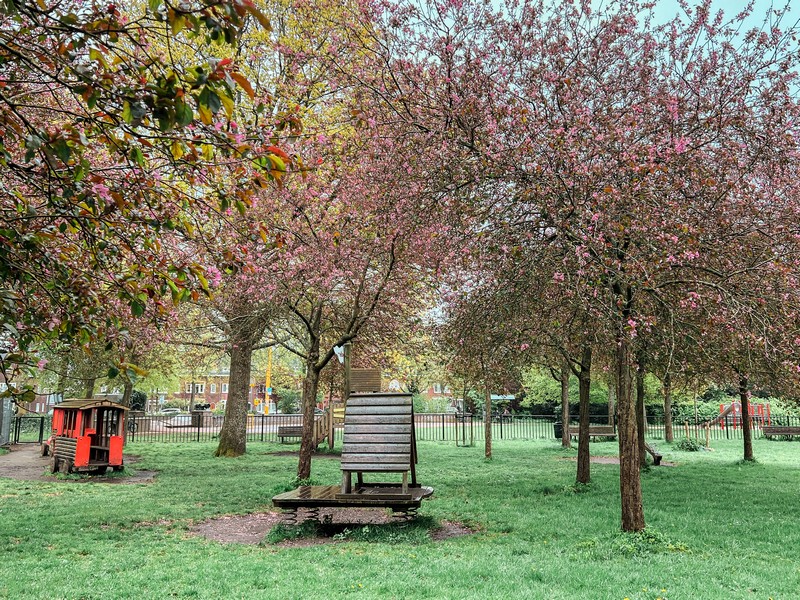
(372,496)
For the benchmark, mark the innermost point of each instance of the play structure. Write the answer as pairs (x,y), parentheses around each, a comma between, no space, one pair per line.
(86,436)
(730,415)
(379,437)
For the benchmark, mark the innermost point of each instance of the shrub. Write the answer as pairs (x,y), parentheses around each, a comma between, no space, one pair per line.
(138,400)
(688,445)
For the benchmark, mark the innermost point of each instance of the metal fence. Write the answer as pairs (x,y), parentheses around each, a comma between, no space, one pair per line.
(459,428)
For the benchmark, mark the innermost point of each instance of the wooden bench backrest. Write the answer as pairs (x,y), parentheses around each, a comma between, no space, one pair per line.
(365,380)
(780,430)
(378,430)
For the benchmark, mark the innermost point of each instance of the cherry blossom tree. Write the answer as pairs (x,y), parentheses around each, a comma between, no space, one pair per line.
(110,141)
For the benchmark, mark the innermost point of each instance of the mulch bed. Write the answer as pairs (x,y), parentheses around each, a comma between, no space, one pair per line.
(252,529)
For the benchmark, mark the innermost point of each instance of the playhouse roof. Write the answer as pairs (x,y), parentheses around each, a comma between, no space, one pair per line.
(87,403)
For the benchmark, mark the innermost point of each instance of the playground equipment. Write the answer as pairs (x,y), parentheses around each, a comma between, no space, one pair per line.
(731,415)
(86,436)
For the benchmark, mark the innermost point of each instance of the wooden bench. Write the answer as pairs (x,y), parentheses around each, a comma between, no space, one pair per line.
(378,438)
(771,430)
(289,431)
(657,456)
(594,431)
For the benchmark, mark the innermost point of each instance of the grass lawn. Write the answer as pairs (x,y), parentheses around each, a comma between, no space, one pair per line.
(717,529)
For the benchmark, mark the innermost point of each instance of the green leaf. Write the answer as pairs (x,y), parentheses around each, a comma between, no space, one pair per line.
(126,112)
(137,308)
(210,99)
(62,150)
(137,156)
(183,113)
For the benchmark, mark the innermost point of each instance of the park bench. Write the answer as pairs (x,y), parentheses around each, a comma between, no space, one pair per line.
(595,431)
(771,430)
(657,456)
(289,431)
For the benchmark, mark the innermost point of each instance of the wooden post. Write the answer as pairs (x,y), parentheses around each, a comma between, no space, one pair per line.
(708,436)
(330,424)
(346,394)
(686,423)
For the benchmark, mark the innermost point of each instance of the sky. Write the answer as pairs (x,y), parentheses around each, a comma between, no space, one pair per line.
(665,9)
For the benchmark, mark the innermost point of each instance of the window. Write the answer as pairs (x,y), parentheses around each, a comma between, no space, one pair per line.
(213,388)
(224,388)
(188,388)
(199,388)
(437,388)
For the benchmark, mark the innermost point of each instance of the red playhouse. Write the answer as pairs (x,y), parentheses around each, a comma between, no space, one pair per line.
(87,436)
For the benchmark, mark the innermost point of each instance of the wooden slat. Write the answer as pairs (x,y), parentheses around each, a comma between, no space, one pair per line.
(375,467)
(385,496)
(377,419)
(379,400)
(319,496)
(365,380)
(378,448)
(401,458)
(780,430)
(394,409)
(371,438)
(369,428)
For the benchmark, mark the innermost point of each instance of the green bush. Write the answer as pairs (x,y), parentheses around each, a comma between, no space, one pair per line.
(288,401)
(138,400)
(688,445)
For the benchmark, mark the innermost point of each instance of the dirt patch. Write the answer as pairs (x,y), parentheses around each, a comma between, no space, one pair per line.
(26,463)
(253,528)
(613,460)
(238,529)
(449,529)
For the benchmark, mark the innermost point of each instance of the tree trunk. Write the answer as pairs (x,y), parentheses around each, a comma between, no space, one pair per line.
(641,422)
(310,388)
(585,380)
(612,400)
(747,432)
(668,434)
(233,436)
(127,390)
(565,439)
(487,424)
(89,393)
(629,482)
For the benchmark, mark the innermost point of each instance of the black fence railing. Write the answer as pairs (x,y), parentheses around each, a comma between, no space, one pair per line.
(460,428)
(30,429)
